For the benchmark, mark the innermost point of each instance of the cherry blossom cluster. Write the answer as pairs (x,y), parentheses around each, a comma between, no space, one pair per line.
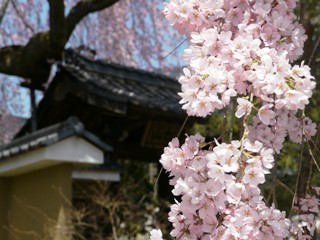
(304,225)
(271,128)
(241,47)
(220,198)
(240,52)
(224,67)
(271,21)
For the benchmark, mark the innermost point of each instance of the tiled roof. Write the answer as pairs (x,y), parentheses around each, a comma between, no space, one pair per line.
(51,135)
(120,104)
(120,86)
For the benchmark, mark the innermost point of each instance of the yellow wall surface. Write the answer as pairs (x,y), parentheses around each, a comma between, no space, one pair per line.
(4,206)
(37,204)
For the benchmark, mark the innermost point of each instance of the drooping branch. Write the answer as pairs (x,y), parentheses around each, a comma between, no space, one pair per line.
(310,47)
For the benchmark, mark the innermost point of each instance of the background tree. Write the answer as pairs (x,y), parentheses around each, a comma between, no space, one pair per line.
(34,33)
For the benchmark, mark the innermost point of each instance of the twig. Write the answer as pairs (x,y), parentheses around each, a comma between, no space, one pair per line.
(310,171)
(317,149)
(155,188)
(183,125)
(232,120)
(313,158)
(3,9)
(285,187)
(22,17)
(161,170)
(274,180)
(173,50)
(224,124)
(301,11)
(313,51)
(298,176)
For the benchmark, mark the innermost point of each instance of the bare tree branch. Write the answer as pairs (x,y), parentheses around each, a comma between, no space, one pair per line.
(57,32)
(82,9)
(31,61)
(9,59)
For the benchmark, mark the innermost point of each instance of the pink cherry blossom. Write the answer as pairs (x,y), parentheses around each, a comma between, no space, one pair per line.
(253,176)
(234,192)
(239,49)
(265,114)
(156,235)
(244,107)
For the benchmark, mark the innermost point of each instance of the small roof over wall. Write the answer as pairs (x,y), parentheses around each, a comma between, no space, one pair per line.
(136,112)
(66,142)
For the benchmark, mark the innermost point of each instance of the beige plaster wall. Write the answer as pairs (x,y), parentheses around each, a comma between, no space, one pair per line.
(38,204)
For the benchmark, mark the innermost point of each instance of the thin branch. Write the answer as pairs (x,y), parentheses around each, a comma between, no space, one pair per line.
(297,181)
(285,187)
(301,12)
(317,149)
(308,183)
(224,124)
(312,156)
(22,17)
(3,9)
(244,123)
(82,9)
(267,200)
(274,181)
(173,50)
(313,51)
(161,170)
(183,125)
(232,120)
(155,187)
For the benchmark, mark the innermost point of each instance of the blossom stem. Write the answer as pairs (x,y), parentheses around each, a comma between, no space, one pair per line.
(285,186)
(311,154)
(297,181)
(224,124)
(183,125)
(232,120)
(274,183)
